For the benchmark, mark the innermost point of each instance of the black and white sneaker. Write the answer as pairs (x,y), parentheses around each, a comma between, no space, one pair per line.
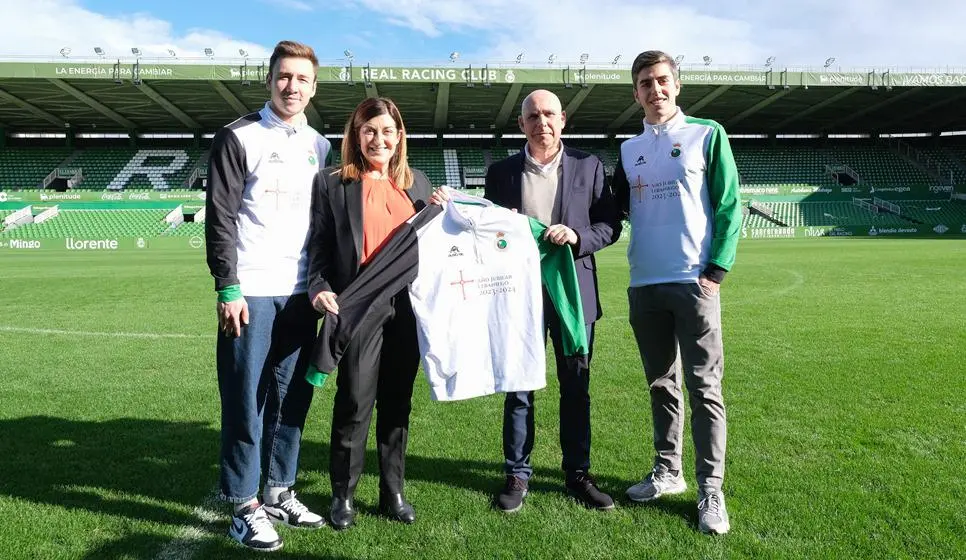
(251,528)
(290,511)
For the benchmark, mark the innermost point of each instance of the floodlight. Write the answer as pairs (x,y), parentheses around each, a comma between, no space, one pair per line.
(829,61)
(135,51)
(616,59)
(348,54)
(243,53)
(678,60)
(584,57)
(770,61)
(172,53)
(707,60)
(209,52)
(99,52)
(551,58)
(454,56)
(65,52)
(519,58)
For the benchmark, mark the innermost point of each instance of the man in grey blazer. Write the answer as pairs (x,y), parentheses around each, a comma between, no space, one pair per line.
(563,188)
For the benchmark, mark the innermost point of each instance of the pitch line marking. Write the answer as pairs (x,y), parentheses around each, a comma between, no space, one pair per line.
(153,336)
(189,538)
(798,280)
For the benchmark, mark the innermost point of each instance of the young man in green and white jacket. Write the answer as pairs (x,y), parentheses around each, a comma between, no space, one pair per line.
(678,184)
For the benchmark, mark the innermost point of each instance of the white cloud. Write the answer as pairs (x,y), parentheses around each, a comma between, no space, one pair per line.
(42,27)
(297,5)
(856,32)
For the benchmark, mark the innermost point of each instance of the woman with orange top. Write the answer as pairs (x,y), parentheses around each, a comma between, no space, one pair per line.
(355,208)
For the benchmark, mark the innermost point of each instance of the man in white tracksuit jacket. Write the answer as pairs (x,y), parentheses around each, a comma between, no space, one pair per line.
(678,184)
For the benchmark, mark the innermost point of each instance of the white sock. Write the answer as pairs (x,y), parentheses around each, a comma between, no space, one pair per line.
(239,507)
(270,494)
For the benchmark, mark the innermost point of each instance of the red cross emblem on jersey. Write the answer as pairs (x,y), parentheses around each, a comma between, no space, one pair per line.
(639,187)
(462,282)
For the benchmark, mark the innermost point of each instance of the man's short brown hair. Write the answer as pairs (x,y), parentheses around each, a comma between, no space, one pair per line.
(291,49)
(649,58)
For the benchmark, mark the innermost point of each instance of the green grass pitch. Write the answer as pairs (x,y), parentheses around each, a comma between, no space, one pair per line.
(845,382)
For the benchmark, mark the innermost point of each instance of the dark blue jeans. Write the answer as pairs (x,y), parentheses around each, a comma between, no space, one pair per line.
(518,409)
(264,395)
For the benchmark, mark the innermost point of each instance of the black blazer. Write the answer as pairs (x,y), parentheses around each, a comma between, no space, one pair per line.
(335,236)
(587,206)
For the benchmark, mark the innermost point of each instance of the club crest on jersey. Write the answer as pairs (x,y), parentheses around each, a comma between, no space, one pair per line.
(501,243)
(454,251)
(312,159)
(676,150)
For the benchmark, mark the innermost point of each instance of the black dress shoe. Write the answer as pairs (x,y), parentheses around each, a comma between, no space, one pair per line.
(582,486)
(342,515)
(395,506)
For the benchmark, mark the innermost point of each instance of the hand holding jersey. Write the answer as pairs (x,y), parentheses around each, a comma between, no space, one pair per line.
(472,265)
(325,302)
(563,187)
(561,235)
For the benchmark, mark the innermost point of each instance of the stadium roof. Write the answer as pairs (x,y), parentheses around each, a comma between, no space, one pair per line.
(161,97)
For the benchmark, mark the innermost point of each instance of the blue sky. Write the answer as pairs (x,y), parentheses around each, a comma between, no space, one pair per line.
(858,33)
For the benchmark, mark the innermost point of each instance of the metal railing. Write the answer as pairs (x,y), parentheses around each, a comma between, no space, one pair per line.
(834,169)
(891,207)
(861,203)
(74,175)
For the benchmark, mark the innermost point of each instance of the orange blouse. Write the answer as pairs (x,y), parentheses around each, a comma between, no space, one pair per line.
(384,207)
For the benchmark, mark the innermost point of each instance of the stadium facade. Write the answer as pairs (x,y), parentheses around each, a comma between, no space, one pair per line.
(97,151)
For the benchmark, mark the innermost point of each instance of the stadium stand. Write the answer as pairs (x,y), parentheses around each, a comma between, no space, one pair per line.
(820,201)
(756,221)
(950,160)
(471,157)
(430,161)
(451,168)
(609,157)
(782,164)
(130,168)
(26,168)
(95,224)
(879,165)
(803,214)
(933,212)
(187,229)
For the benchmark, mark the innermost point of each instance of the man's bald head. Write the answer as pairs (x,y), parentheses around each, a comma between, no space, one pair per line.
(541,97)
(542,120)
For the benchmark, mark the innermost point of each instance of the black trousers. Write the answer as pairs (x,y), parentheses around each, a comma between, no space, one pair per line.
(378,369)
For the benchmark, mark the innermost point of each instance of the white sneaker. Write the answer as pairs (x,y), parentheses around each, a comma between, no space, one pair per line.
(712,513)
(290,511)
(657,483)
(252,528)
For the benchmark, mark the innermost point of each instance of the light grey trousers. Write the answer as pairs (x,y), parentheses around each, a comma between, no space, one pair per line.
(666,317)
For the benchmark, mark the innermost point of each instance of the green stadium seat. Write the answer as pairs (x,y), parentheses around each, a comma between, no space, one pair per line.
(26,168)
(430,162)
(95,224)
(101,167)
